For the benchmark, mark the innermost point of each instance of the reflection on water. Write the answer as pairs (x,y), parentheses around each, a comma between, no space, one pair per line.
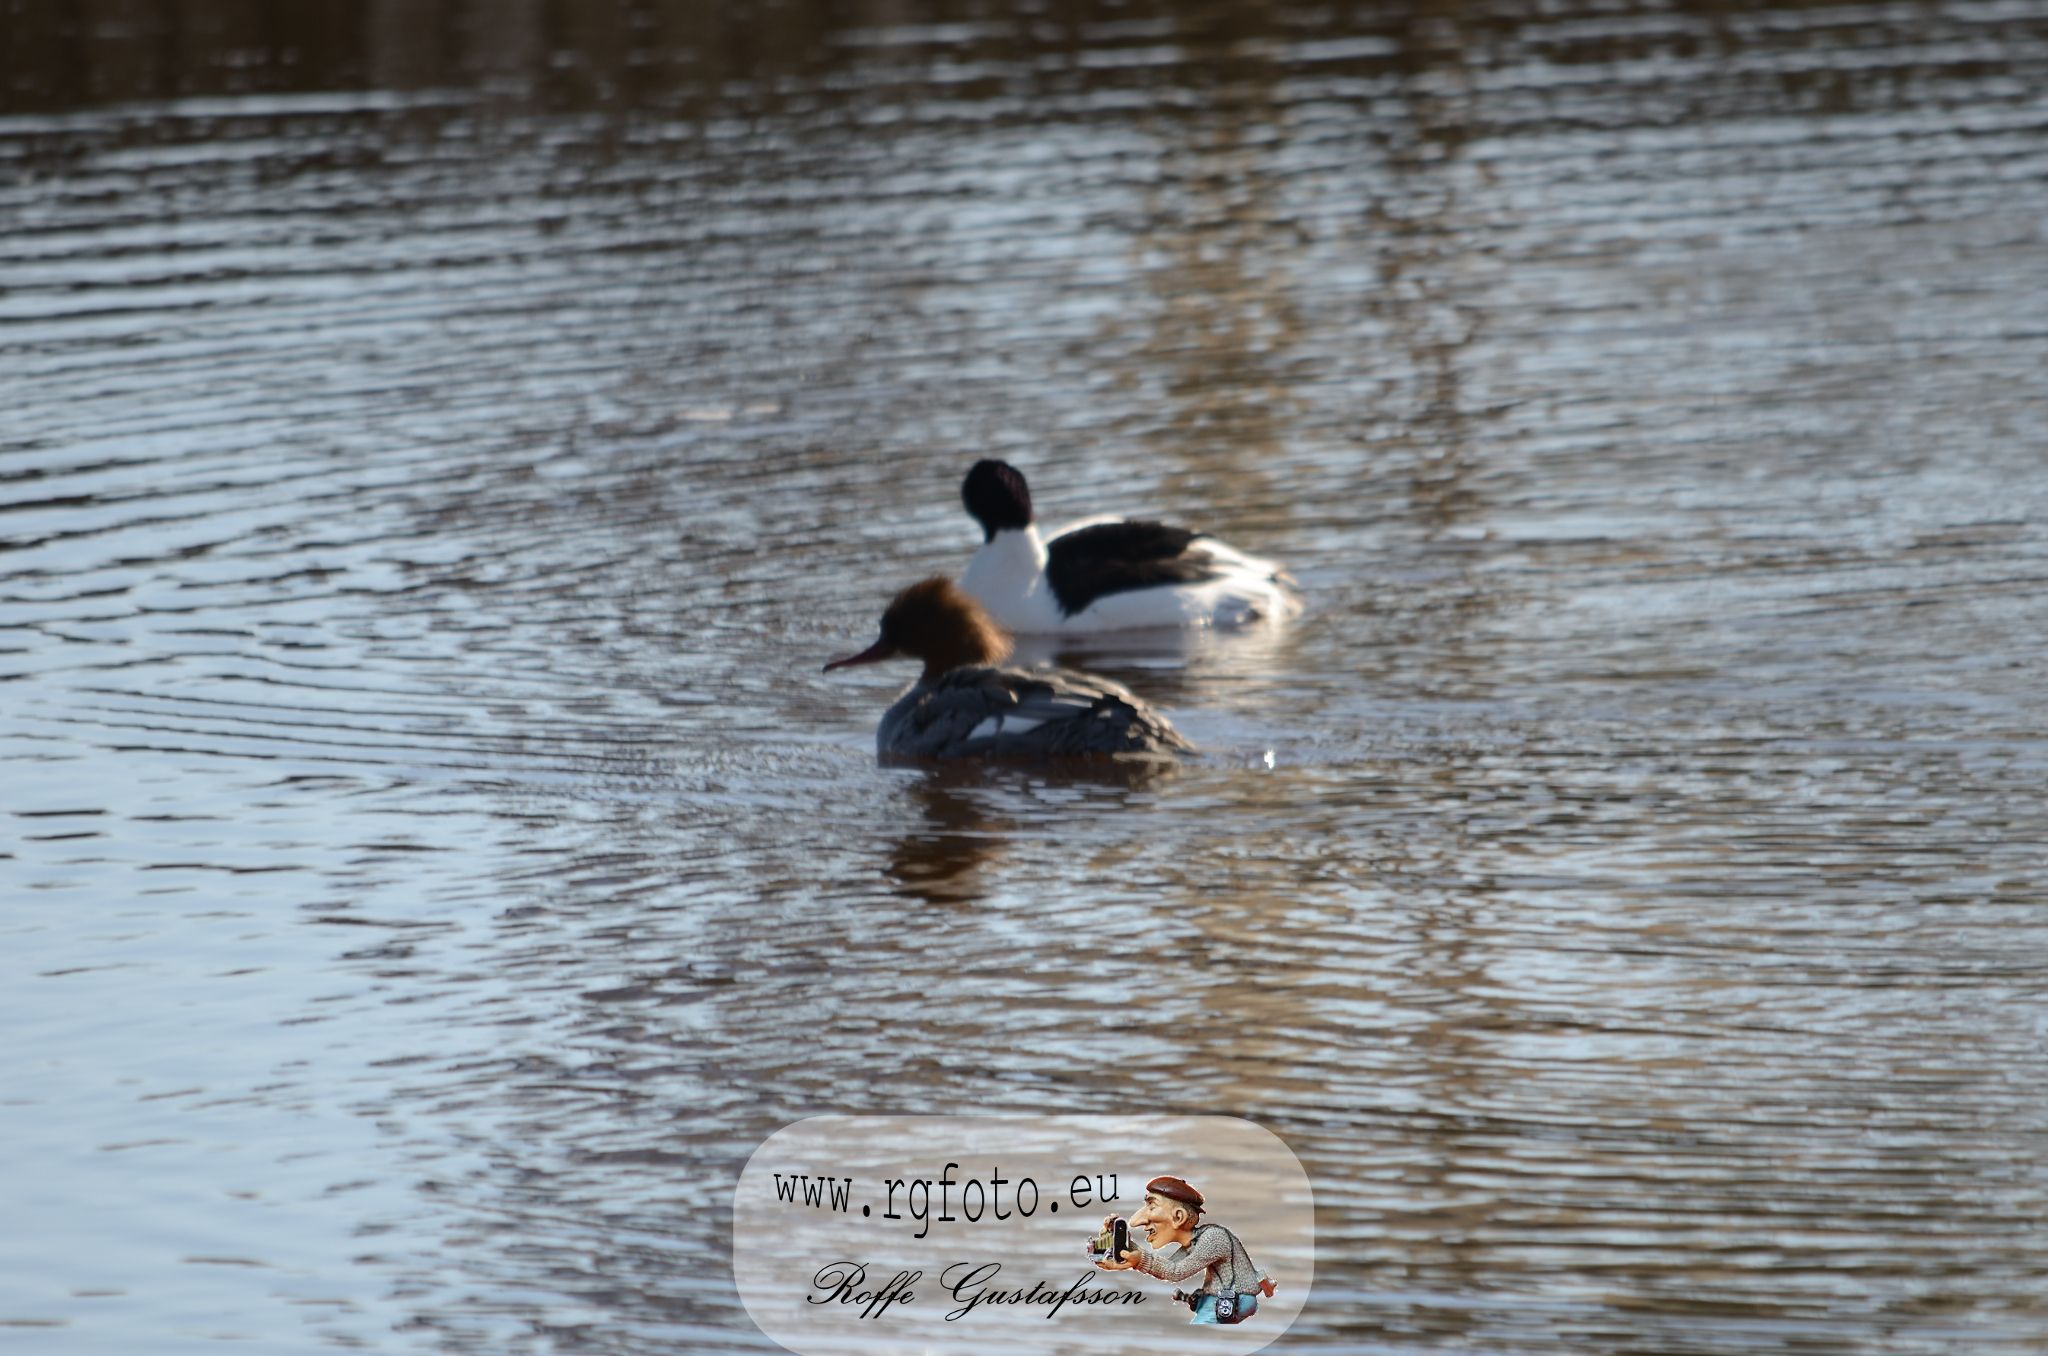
(444,441)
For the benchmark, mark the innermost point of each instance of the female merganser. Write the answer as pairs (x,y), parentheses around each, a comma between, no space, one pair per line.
(1119,574)
(964,706)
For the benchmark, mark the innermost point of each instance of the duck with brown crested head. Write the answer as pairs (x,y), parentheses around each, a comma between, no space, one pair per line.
(966,705)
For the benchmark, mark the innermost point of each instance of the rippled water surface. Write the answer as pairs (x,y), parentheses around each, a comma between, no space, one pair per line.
(442,443)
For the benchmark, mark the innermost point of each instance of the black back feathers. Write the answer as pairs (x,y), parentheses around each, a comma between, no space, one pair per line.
(1091,562)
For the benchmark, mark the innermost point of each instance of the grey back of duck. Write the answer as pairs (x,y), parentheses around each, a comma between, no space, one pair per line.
(988,712)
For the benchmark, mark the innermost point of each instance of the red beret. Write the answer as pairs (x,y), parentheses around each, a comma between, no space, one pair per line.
(1174,1190)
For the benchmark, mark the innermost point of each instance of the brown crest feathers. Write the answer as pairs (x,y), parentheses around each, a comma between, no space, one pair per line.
(937,622)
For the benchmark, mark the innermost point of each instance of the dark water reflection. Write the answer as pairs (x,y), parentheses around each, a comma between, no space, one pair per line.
(443,441)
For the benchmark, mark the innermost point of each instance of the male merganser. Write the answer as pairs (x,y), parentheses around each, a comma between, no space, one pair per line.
(1119,574)
(964,706)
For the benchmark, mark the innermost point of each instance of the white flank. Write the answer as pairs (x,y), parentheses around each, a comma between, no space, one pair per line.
(995,725)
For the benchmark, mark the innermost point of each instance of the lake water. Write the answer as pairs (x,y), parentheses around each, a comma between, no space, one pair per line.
(443,442)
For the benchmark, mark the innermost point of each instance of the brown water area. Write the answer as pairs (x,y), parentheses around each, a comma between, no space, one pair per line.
(442,442)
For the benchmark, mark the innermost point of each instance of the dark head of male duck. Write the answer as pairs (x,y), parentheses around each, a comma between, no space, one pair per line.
(998,498)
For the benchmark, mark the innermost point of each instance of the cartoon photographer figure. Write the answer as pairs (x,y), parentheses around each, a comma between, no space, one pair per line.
(1231,1285)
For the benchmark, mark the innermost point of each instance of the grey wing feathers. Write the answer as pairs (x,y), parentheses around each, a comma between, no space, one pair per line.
(940,720)
(1015,713)
(1092,715)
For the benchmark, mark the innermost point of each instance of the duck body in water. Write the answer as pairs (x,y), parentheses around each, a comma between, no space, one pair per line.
(1104,575)
(966,704)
